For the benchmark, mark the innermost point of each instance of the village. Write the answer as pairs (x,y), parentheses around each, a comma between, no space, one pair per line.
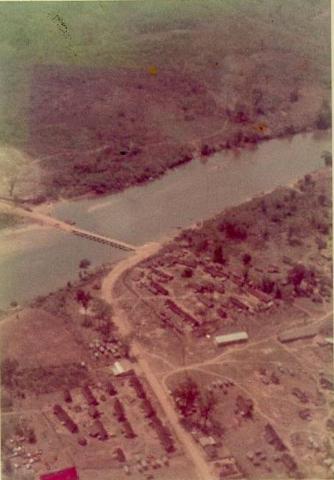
(205,308)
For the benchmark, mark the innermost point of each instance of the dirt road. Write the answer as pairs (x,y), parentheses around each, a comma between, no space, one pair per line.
(194,453)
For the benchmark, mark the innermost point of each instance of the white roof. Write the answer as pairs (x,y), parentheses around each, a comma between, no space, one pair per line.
(118,368)
(231,337)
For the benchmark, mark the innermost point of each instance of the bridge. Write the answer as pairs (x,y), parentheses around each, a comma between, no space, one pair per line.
(46,220)
(101,239)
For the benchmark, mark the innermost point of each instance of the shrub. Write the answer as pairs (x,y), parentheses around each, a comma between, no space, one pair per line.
(235,231)
(324,120)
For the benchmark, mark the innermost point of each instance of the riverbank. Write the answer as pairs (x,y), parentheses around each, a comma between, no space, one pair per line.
(138,215)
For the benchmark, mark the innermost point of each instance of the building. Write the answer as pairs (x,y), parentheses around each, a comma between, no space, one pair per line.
(66,474)
(238,303)
(119,411)
(262,296)
(119,455)
(121,369)
(207,302)
(64,418)
(147,408)
(158,289)
(97,430)
(128,430)
(272,437)
(231,338)
(214,271)
(67,396)
(244,406)
(207,441)
(163,276)
(137,386)
(93,412)
(222,313)
(173,307)
(111,389)
(299,333)
(163,434)
(88,394)
(289,463)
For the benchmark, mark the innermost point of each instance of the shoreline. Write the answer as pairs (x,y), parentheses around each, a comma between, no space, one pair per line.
(48,205)
(147,249)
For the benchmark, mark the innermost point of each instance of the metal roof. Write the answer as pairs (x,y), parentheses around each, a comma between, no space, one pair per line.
(231,337)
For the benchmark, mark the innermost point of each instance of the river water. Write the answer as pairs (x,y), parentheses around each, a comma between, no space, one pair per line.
(37,261)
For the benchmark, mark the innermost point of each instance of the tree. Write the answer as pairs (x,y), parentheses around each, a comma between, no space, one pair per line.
(84,263)
(234,231)
(8,369)
(246,258)
(83,298)
(324,120)
(297,274)
(31,436)
(267,285)
(208,402)
(327,157)
(186,395)
(7,467)
(14,169)
(218,256)
(202,245)
(187,273)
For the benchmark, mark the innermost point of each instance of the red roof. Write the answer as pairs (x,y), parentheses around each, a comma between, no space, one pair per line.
(67,474)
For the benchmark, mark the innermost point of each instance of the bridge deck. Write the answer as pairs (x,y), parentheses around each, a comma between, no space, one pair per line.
(105,240)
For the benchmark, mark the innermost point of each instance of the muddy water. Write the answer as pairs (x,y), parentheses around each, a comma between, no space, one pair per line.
(43,259)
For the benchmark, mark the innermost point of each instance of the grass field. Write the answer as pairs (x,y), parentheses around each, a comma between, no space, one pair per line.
(181,74)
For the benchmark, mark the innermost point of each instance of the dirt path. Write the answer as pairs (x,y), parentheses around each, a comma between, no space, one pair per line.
(192,450)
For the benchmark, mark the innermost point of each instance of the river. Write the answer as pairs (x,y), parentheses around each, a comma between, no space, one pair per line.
(36,261)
